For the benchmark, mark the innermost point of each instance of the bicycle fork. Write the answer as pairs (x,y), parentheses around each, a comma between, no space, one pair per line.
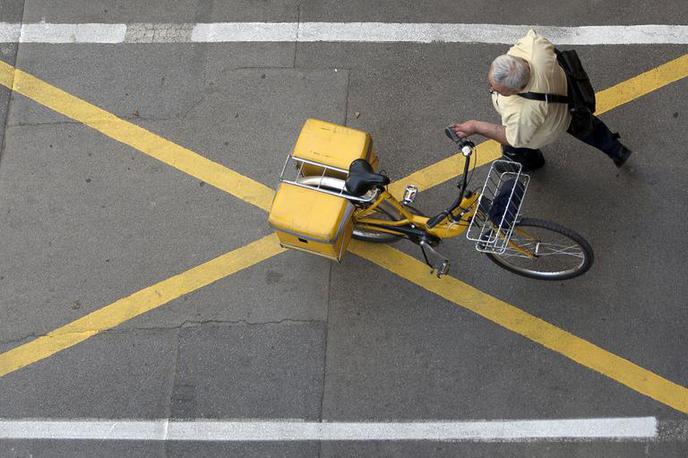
(441,266)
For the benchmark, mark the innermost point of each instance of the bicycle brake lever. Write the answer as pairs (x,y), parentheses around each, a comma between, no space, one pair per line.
(452,135)
(462,142)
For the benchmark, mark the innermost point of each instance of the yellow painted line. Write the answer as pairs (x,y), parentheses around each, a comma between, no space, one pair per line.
(642,84)
(446,169)
(138,303)
(529,326)
(500,312)
(6,78)
(137,137)
(607,99)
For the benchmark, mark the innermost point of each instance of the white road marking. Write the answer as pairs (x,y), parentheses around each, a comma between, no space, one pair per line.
(245,31)
(370,32)
(635,428)
(9,33)
(490,33)
(72,33)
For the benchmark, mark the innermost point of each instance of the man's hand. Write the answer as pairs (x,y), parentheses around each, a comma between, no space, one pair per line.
(486,129)
(465,129)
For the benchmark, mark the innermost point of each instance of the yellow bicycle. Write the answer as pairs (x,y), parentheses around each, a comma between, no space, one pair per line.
(490,216)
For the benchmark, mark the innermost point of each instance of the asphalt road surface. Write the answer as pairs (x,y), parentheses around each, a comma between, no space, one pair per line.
(141,291)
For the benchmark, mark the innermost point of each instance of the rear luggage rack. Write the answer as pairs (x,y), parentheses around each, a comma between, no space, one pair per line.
(327,179)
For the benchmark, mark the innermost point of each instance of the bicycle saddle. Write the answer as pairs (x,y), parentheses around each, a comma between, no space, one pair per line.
(362,178)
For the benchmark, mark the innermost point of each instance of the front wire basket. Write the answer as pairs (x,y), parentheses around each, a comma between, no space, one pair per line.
(499,207)
(319,177)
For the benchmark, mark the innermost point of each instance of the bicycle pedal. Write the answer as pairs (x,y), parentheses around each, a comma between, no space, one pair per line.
(441,270)
(442,266)
(410,194)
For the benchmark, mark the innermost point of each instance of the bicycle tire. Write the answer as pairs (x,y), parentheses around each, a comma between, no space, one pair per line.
(581,249)
(373,236)
(368,235)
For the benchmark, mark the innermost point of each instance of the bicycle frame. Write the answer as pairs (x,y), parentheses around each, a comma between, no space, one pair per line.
(411,224)
(489,217)
(424,231)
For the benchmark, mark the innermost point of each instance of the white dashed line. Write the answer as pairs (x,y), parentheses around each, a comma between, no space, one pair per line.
(361,32)
(245,31)
(638,428)
(63,33)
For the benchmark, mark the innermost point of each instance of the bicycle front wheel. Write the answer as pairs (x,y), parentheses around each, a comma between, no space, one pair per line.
(545,251)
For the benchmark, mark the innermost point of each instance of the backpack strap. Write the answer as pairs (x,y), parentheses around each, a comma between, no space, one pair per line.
(549,98)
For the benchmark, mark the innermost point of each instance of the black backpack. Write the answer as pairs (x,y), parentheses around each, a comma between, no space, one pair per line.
(581,98)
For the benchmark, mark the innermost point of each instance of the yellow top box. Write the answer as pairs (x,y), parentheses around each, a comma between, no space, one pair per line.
(331,144)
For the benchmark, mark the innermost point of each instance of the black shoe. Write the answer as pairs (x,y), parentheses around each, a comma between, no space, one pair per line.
(530,159)
(623,156)
(503,167)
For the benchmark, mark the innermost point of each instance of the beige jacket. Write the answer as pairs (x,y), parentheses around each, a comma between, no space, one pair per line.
(531,123)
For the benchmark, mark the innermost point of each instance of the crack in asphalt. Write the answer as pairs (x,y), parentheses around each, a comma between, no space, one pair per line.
(198,323)
(184,325)
(20,340)
(61,123)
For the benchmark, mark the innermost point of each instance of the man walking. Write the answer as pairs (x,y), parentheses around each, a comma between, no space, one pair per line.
(527,124)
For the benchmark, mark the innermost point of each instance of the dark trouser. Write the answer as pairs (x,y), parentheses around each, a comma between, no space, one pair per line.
(600,137)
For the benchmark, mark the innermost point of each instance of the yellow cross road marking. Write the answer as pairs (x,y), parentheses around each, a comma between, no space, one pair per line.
(646,82)
(529,326)
(137,137)
(138,303)
(446,169)
(506,315)
(6,77)
(607,99)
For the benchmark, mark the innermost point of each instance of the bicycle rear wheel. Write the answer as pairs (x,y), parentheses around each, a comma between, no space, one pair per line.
(555,252)
(368,234)
(385,212)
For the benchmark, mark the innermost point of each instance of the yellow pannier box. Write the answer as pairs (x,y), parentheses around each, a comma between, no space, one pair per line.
(310,220)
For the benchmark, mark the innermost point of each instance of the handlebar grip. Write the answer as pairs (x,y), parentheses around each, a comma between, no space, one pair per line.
(452,135)
(460,141)
(434,221)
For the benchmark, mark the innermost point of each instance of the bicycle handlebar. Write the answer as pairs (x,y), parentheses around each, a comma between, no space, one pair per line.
(462,142)
(466,147)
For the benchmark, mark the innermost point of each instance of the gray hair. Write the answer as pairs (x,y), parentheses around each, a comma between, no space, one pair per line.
(511,72)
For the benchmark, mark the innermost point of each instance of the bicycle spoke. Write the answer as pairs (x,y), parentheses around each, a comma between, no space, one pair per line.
(544,250)
(574,250)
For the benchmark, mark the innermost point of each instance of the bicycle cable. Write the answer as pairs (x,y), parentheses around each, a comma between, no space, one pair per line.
(475,163)
(468,180)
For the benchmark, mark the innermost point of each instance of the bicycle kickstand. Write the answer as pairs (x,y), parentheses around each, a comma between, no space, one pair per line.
(442,266)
